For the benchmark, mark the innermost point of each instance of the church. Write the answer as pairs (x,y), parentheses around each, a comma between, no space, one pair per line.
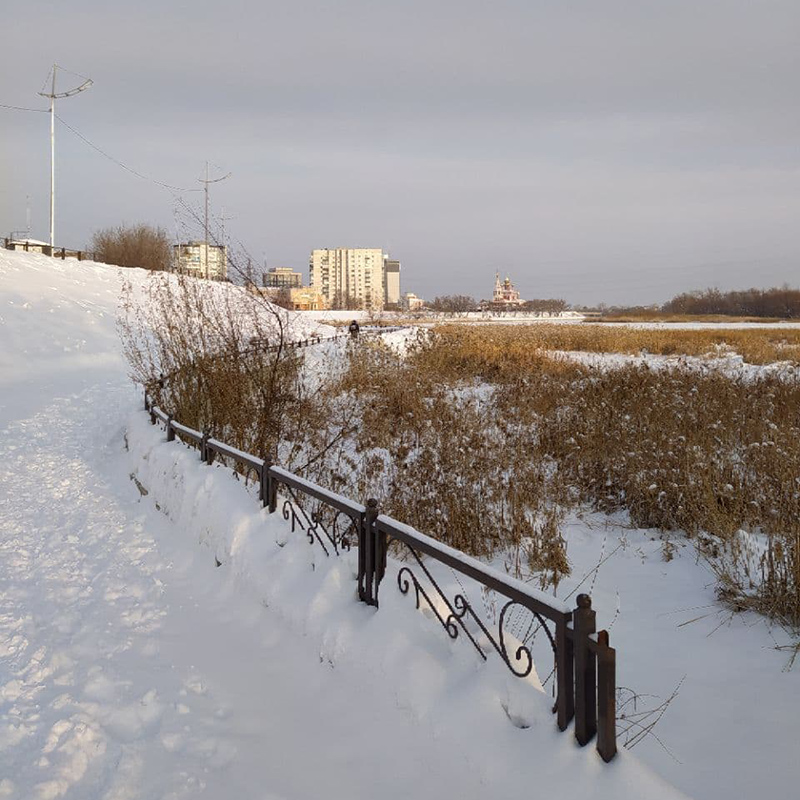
(504,292)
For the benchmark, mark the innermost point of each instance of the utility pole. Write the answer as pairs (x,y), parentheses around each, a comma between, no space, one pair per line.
(53,163)
(205,183)
(52,94)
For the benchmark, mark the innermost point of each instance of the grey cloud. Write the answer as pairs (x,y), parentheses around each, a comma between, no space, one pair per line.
(617,151)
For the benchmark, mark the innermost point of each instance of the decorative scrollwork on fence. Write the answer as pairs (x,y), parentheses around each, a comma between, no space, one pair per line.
(335,534)
(460,611)
(251,470)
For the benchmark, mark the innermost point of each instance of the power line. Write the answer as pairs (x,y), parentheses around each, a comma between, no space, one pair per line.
(22,108)
(123,165)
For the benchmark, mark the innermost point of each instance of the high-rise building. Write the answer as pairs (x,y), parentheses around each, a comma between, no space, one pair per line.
(283,278)
(391,283)
(193,259)
(349,277)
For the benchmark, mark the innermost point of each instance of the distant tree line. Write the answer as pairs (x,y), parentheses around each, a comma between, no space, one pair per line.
(461,303)
(777,302)
(553,305)
(453,303)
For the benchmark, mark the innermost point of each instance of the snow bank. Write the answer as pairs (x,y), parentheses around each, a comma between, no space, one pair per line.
(58,324)
(504,723)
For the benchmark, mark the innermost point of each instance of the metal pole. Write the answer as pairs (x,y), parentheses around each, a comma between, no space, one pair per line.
(205,265)
(583,621)
(53,161)
(52,95)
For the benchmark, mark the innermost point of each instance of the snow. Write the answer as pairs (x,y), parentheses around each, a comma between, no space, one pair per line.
(132,667)
(454,703)
(700,326)
(728,363)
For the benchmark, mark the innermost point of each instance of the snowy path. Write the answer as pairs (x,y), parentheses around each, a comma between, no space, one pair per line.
(126,675)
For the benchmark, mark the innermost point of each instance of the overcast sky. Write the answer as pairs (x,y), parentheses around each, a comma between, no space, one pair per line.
(617,151)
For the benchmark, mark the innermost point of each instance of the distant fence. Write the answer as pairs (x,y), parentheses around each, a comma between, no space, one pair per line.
(28,246)
(585,663)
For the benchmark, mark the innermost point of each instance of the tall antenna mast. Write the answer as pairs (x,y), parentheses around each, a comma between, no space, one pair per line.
(52,94)
(205,187)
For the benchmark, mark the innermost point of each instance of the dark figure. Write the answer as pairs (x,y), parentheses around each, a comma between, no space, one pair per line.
(353,329)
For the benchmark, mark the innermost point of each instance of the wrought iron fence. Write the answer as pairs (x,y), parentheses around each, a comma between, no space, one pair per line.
(584,661)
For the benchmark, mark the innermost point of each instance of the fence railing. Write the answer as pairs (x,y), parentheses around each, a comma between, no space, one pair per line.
(28,246)
(584,661)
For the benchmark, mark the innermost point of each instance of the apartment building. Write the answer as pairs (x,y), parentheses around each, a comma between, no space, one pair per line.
(391,283)
(348,277)
(202,261)
(282,278)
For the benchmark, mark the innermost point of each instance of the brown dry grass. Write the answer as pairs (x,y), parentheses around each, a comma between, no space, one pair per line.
(700,453)
(479,438)
(256,400)
(491,350)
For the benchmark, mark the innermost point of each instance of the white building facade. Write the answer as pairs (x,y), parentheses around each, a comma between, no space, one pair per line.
(193,259)
(350,277)
(410,302)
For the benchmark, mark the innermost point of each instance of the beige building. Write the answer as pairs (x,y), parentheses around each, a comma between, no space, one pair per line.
(410,302)
(391,283)
(307,298)
(301,298)
(347,276)
(192,259)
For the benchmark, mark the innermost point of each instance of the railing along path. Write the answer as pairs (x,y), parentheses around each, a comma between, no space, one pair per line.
(585,663)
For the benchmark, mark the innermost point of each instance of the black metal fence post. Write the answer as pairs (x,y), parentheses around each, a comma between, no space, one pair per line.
(565,675)
(606,698)
(585,671)
(371,536)
(268,491)
(272,492)
(365,540)
(381,551)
